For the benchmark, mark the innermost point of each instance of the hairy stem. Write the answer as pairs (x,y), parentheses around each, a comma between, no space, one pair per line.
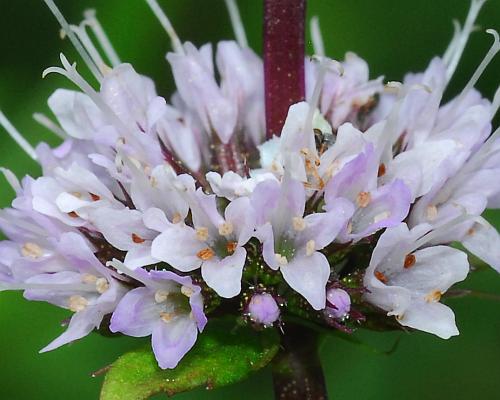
(284,51)
(297,371)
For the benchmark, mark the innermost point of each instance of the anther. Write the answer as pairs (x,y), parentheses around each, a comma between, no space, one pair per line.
(202,233)
(226,229)
(77,303)
(137,239)
(89,279)
(166,316)
(431,213)
(31,250)
(281,260)
(187,291)
(299,224)
(381,216)
(231,247)
(176,218)
(205,254)
(102,285)
(381,170)
(381,277)
(310,247)
(410,261)
(363,199)
(161,296)
(434,296)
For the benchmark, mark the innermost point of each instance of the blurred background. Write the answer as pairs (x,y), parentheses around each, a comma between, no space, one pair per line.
(394,37)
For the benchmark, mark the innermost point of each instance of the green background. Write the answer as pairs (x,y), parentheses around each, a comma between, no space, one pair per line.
(394,37)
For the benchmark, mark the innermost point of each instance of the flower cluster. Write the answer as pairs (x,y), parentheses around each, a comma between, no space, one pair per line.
(151,214)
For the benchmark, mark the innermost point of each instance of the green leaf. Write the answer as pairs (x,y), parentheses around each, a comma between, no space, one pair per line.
(222,355)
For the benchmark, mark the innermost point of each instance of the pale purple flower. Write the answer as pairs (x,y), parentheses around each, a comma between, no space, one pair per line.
(214,243)
(407,279)
(169,308)
(139,188)
(376,207)
(343,94)
(85,287)
(291,241)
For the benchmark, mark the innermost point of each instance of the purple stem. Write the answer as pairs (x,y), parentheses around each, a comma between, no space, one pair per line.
(284,52)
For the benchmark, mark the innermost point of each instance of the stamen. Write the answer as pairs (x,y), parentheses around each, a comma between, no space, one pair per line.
(226,228)
(51,126)
(381,277)
(74,40)
(70,72)
(317,38)
(31,250)
(89,46)
(431,212)
(231,247)
(187,291)
(238,28)
(299,224)
(281,260)
(18,138)
(94,197)
(310,247)
(165,22)
(102,285)
(161,296)
(202,233)
(102,38)
(434,296)
(89,279)
(137,239)
(166,316)
(363,199)
(325,65)
(11,179)
(463,37)
(495,105)
(410,261)
(494,49)
(381,170)
(381,216)
(453,43)
(205,254)
(176,218)
(77,303)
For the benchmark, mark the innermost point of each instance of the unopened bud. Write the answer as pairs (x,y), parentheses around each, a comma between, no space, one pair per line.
(263,309)
(338,302)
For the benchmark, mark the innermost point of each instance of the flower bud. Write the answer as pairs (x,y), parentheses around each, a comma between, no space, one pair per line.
(338,302)
(263,309)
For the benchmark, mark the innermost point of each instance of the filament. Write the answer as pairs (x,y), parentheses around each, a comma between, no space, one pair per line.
(46,122)
(74,40)
(317,38)
(102,38)
(238,28)
(463,37)
(165,22)
(18,138)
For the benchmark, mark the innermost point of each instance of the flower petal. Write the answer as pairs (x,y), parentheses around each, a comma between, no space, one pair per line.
(224,276)
(308,276)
